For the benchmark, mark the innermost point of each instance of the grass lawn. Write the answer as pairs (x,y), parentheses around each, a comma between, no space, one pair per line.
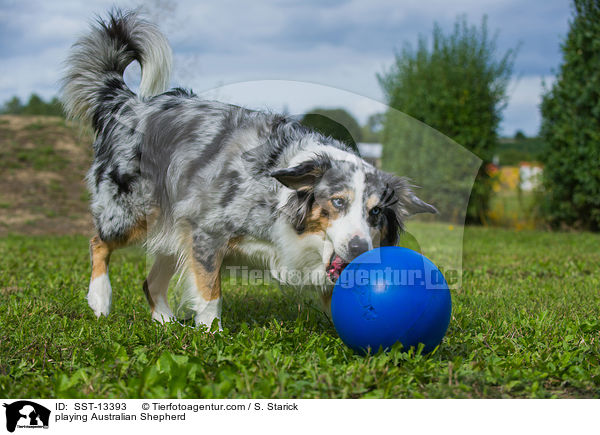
(526,323)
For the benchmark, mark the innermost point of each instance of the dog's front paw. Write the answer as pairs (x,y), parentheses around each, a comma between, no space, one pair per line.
(100,295)
(211,324)
(207,313)
(162,317)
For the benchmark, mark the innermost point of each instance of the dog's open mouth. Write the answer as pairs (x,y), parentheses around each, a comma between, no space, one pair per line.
(335,267)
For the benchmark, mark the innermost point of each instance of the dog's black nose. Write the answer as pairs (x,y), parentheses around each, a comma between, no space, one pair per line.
(357,246)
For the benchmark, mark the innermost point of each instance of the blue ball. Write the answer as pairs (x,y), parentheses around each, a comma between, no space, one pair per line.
(390,295)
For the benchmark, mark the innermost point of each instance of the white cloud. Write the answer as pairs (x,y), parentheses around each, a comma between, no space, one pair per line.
(31,72)
(522,111)
(339,44)
(294,97)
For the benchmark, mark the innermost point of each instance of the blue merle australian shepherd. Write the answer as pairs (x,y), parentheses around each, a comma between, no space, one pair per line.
(206,184)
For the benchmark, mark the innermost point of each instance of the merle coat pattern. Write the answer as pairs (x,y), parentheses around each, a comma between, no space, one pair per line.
(204,183)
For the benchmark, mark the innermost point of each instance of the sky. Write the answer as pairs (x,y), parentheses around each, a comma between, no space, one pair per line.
(290,55)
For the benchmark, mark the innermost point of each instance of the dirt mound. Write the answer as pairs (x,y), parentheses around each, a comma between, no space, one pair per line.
(43,162)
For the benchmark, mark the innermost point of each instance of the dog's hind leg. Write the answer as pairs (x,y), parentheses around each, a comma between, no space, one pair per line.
(156,287)
(100,293)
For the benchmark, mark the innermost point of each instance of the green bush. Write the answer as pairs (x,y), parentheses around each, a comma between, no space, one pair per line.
(372,131)
(35,106)
(520,149)
(571,126)
(457,85)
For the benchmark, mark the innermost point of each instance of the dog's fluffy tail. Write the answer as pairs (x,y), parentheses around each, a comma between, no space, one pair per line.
(95,66)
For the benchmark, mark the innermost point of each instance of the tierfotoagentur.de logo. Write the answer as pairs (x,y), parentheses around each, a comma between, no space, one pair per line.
(25,414)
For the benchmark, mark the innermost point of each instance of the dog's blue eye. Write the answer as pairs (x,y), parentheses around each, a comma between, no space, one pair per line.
(338,202)
(375,211)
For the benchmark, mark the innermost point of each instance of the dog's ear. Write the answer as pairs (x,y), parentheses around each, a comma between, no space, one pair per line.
(415,205)
(304,176)
(399,202)
(301,178)
(400,197)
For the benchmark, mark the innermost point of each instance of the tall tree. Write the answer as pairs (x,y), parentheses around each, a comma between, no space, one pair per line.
(372,130)
(35,106)
(13,106)
(457,84)
(337,123)
(571,125)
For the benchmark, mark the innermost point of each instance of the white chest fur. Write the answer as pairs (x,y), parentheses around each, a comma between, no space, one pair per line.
(292,259)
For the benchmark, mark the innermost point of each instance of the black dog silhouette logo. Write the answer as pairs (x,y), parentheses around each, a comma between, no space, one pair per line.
(26,414)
